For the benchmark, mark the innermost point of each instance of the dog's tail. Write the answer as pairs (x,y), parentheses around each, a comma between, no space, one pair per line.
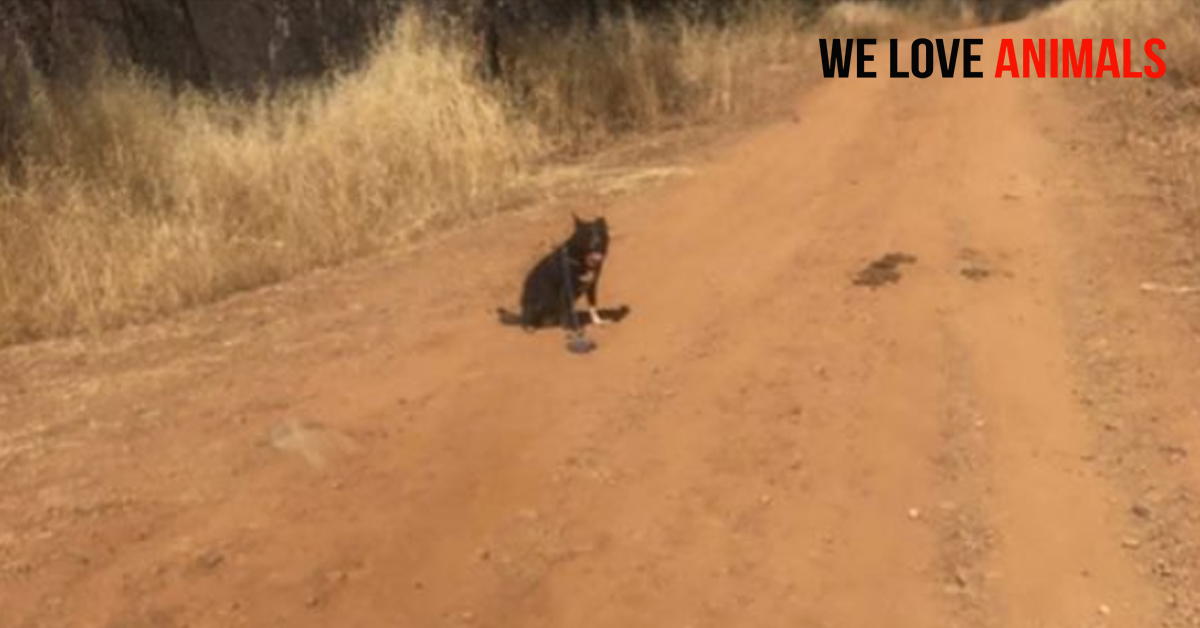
(509,319)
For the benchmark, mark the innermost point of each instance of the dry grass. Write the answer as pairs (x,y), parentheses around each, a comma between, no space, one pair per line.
(874,18)
(1158,118)
(1177,22)
(135,202)
(130,202)
(634,75)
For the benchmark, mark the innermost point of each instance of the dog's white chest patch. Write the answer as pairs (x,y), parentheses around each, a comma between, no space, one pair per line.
(588,278)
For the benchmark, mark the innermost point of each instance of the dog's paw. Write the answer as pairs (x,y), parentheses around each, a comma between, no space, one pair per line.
(596,318)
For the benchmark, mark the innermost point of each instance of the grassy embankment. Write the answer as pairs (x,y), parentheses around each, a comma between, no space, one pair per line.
(131,202)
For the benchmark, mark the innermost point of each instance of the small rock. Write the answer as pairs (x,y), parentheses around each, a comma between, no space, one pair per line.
(914,513)
(1131,543)
(960,578)
(1104,610)
(1141,511)
(1162,569)
(1175,452)
(765,500)
(210,560)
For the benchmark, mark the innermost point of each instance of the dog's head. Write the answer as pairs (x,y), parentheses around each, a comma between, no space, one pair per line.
(590,241)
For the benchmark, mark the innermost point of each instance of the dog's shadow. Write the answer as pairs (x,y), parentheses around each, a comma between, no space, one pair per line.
(608,315)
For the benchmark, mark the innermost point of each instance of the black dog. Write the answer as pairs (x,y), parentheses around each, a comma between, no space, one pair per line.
(559,279)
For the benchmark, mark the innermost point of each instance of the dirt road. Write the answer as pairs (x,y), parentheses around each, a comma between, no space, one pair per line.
(999,437)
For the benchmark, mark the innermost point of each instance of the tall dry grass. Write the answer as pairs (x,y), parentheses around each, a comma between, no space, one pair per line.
(126,201)
(636,75)
(1177,22)
(1159,118)
(133,202)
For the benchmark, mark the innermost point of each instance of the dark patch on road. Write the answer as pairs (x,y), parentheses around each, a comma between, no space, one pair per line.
(976,273)
(883,271)
(978,267)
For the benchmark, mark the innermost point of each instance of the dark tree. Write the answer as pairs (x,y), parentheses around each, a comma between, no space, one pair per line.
(487,37)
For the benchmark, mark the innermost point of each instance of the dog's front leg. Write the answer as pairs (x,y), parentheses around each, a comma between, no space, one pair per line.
(568,321)
(566,313)
(592,289)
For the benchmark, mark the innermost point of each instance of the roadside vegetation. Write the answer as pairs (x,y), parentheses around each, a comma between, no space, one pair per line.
(122,200)
(1159,118)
